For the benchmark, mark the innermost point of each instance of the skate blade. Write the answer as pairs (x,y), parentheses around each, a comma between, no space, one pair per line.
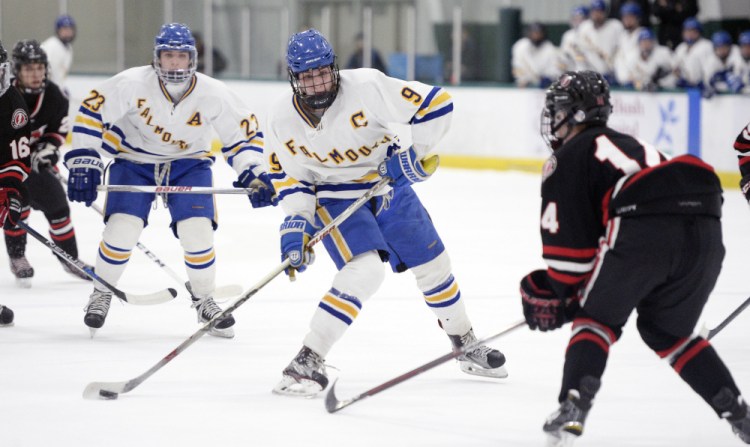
(24,283)
(563,439)
(221,333)
(7,324)
(289,386)
(476,370)
(92,332)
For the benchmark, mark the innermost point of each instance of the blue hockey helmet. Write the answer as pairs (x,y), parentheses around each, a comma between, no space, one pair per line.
(598,5)
(580,97)
(4,70)
(692,23)
(646,34)
(744,38)
(64,21)
(582,11)
(309,50)
(175,37)
(631,8)
(721,38)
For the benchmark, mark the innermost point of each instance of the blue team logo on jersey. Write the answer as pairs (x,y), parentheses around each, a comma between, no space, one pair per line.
(549,167)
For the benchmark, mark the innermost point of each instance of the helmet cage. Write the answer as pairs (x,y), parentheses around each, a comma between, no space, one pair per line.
(175,37)
(306,51)
(320,100)
(177,75)
(29,52)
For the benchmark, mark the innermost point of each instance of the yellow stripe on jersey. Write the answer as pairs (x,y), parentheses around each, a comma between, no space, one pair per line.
(338,239)
(434,104)
(302,113)
(115,140)
(80,119)
(288,183)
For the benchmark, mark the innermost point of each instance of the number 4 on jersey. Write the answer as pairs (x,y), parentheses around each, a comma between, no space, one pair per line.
(549,218)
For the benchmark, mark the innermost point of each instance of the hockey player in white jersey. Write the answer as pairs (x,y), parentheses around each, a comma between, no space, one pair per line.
(722,71)
(630,16)
(743,41)
(156,122)
(690,54)
(650,67)
(598,39)
(59,49)
(536,61)
(570,42)
(329,142)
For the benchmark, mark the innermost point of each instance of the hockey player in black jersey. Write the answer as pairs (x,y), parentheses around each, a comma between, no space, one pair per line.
(624,229)
(49,126)
(15,133)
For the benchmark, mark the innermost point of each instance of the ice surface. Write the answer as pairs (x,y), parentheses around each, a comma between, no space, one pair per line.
(218,392)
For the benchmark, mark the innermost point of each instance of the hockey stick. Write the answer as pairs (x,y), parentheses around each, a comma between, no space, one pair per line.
(173,189)
(219,292)
(708,334)
(159,297)
(333,404)
(110,390)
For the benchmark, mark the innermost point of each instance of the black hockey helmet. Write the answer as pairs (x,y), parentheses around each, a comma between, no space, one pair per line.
(29,51)
(4,70)
(577,97)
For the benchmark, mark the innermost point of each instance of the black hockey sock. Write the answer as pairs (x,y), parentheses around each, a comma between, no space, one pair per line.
(70,247)
(700,366)
(15,242)
(584,357)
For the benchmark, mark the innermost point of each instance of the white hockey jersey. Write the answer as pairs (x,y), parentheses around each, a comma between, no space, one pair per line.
(724,75)
(132,116)
(59,59)
(531,63)
(339,157)
(651,72)
(688,61)
(570,48)
(627,43)
(599,45)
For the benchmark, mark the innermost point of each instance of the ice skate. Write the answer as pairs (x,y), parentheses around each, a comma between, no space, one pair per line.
(207,309)
(305,376)
(480,361)
(6,316)
(96,310)
(75,272)
(22,270)
(565,425)
(734,409)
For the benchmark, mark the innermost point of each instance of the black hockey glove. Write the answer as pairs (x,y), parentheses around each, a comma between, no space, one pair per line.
(745,187)
(44,156)
(10,205)
(542,309)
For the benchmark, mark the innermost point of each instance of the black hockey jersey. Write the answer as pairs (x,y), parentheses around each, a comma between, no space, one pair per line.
(15,137)
(742,146)
(48,113)
(576,185)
